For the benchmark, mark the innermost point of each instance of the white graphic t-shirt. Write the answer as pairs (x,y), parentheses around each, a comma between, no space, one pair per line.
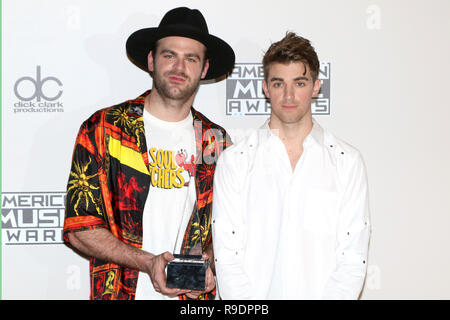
(171,199)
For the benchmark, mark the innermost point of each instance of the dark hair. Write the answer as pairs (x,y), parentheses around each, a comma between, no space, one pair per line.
(292,48)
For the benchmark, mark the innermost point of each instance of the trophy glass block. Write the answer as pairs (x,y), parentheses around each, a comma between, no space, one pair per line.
(188,269)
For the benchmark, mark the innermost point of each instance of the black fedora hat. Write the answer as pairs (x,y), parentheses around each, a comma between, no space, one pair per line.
(182,22)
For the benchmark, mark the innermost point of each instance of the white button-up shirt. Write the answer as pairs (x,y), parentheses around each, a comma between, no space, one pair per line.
(280,233)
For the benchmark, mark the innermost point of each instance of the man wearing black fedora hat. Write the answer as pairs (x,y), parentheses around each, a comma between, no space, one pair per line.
(140,186)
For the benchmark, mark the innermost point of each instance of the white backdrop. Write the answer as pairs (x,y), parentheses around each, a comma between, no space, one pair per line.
(387,66)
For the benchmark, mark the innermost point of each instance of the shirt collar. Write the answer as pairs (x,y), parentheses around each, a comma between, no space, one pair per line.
(314,137)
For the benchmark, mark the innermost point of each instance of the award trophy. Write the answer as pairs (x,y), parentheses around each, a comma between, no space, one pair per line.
(188,270)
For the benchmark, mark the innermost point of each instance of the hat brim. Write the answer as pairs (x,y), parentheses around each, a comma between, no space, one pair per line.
(220,54)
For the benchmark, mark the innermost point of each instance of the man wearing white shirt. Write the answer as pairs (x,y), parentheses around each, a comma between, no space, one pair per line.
(290,211)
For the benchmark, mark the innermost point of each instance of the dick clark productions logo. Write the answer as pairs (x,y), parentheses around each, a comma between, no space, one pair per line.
(38,94)
(245,96)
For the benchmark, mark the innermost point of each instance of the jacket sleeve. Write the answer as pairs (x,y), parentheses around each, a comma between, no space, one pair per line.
(347,279)
(84,208)
(228,231)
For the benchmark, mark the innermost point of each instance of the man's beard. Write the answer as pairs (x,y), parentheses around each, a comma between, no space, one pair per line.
(166,90)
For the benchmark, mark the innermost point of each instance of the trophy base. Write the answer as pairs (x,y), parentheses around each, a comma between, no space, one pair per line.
(187,272)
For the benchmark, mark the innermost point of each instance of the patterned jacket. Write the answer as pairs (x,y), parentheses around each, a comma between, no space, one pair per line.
(109,183)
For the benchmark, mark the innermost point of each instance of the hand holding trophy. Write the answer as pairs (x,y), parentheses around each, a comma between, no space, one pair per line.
(189,269)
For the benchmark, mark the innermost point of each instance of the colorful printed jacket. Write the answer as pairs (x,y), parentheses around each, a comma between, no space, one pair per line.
(109,183)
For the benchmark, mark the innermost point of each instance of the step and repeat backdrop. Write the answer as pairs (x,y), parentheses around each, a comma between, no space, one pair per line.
(384,71)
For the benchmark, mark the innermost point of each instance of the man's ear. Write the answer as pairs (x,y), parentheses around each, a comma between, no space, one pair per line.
(265,89)
(150,61)
(205,69)
(317,86)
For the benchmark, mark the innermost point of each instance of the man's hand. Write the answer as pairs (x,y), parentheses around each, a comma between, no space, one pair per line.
(157,274)
(102,244)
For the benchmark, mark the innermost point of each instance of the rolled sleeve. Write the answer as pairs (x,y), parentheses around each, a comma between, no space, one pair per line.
(84,208)
(353,234)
